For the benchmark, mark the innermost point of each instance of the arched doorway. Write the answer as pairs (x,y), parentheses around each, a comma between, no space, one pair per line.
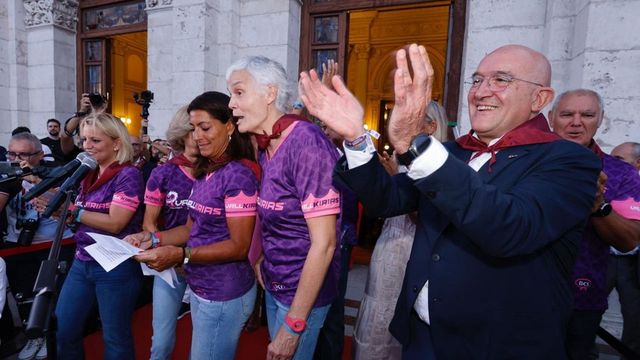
(112,55)
(362,35)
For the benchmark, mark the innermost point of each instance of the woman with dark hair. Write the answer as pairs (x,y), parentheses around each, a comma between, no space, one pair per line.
(222,210)
(298,207)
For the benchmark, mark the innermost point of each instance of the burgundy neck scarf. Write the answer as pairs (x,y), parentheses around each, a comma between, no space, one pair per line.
(281,125)
(596,149)
(533,131)
(91,182)
(181,160)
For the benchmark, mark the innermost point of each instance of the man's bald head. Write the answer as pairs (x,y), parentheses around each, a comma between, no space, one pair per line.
(510,86)
(533,62)
(628,152)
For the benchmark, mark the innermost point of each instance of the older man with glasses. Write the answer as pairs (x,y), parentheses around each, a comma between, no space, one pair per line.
(24,224)
(500,211)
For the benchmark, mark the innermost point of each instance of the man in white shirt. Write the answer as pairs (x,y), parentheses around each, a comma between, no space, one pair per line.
(500,211)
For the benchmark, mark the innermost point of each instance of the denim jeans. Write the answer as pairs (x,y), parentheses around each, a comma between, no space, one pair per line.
(167,302)
(115,293)
(217,325)
(276,312)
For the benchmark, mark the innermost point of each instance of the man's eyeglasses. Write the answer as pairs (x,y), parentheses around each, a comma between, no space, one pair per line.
(497,82)
(21,156)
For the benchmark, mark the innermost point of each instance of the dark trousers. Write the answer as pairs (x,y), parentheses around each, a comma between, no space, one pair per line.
(581,334)
(623,275)
(420,345)
(331,339)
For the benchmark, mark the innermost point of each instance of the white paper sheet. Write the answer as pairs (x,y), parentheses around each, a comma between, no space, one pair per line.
(110,252)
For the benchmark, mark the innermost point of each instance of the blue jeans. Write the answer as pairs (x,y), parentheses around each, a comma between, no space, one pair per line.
(115,293)
(167,302)
(217,325)
(276,312)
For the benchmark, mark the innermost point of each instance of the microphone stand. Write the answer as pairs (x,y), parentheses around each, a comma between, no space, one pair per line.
(42,319)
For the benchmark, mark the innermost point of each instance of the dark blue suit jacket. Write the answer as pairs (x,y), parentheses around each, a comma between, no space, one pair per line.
(497,248)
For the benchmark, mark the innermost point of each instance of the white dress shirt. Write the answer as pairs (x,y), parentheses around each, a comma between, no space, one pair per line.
(424,165)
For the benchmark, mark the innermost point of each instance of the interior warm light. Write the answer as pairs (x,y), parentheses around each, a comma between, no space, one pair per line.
(126,121)
(386,146)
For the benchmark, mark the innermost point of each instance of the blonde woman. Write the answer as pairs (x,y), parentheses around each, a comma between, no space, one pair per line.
(107,203)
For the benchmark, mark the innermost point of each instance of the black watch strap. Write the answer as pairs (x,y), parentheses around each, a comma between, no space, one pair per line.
(604,210)
(418,145)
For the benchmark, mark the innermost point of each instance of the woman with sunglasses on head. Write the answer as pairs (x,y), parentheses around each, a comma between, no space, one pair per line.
(297,207)
(107,203)
(218,232)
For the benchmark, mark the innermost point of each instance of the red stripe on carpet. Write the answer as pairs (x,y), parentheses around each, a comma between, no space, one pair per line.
(253,345)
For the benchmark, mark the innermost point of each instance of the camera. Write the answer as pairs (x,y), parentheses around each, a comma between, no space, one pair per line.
(9,167)
(144,98)
(96,100)
(28,232)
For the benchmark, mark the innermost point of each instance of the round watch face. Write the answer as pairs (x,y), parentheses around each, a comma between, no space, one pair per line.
(605,209)
(298,325)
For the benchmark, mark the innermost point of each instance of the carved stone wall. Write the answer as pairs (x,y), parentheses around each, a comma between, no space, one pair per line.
(151,4)
(63,13)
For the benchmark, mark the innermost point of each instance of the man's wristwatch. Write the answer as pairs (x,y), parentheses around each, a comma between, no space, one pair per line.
(418,145)
(603,210)
(295,325)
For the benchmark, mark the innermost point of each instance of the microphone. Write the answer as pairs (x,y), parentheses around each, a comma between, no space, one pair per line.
(18,172)
(88,163)
(55,177)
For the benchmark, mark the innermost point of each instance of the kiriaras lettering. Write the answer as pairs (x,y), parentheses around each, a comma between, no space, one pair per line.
(270,205)
(207,210)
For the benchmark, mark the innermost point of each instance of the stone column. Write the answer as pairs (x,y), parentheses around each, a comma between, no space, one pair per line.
(51,71)
(160,64)
(192,42)
(14,96)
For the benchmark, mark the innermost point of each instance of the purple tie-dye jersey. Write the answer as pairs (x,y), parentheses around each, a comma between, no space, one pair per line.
(589,274)
(228,192)
(169,187)
(124,190)
(296,185)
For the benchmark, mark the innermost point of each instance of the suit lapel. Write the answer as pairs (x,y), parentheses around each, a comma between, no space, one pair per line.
(504,159)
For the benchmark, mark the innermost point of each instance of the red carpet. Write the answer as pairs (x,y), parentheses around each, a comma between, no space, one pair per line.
(252,345)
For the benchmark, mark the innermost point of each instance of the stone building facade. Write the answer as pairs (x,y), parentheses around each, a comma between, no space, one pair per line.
(591,43)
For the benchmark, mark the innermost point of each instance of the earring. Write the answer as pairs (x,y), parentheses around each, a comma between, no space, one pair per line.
(229,137)
(115,149)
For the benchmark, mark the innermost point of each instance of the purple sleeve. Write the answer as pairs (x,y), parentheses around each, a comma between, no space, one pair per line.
(128,190)
(623,188)
(155,192)
(241,194)
(312,174)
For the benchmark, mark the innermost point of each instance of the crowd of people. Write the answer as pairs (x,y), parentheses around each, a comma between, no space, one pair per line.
(502,243)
